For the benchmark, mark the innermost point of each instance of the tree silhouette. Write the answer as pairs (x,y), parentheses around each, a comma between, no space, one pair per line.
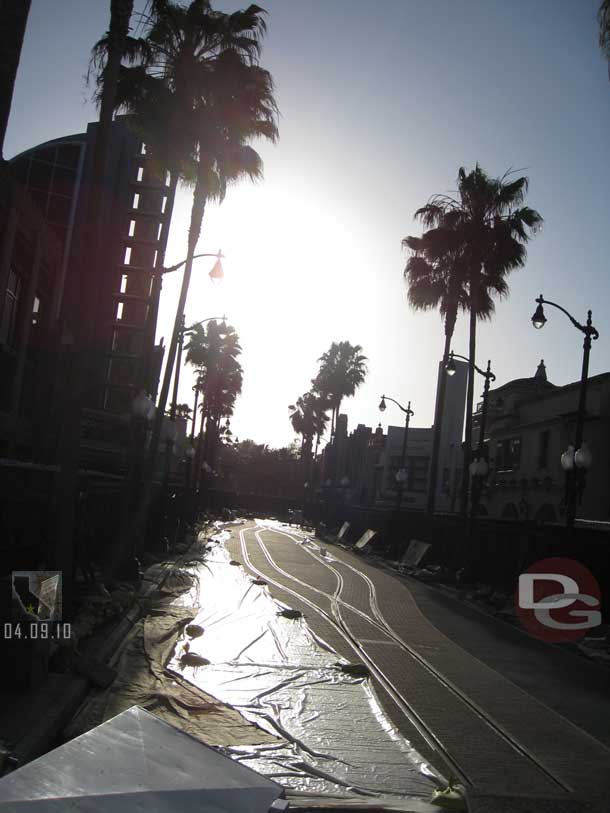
(342,370)
(490,229)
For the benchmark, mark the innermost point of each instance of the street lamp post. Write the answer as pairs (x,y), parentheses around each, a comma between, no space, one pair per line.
(401,474)
(196,389)
(577,458)
(170,434)
(478,468)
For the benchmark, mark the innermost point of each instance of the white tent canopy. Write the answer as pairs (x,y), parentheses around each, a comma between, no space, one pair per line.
(136,762)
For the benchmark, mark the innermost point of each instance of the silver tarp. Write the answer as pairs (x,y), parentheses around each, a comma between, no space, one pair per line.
(132,763)
(335,738)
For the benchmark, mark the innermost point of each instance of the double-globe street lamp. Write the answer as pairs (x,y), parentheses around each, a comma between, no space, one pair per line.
(577,458)
(401,474)
(478,468)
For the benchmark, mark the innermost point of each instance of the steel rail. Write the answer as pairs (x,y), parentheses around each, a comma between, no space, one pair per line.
(402,703)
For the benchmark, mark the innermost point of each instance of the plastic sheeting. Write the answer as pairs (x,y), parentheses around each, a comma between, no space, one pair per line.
(143,680)
(335,738)
(135,762)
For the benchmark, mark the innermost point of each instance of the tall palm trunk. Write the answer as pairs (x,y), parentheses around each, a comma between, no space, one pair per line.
(146,368)
(13,19)
(439,408)
(199,455)
(120,14)
(472,346)
(194,422)
(197,212)
(314,464)
(306,446)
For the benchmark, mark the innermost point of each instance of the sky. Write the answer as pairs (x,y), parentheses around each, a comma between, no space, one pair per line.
(381,103)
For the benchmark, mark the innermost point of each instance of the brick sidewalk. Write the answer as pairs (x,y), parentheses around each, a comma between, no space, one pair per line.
(512,748)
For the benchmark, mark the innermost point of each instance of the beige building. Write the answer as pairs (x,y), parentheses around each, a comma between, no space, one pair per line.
(530,423)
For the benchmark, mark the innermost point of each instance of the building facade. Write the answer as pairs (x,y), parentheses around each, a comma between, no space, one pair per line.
(135,211)
(30,273)
(419,451)
(367,462)
(530,423)
(45,276)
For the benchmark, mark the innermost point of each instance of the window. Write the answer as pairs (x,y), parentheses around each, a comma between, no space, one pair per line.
(508,454)
(543,449)
(36,315)
(68,155)
(417,473)
(9,308)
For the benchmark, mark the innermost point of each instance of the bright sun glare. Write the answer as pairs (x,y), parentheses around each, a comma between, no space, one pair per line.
(288,257)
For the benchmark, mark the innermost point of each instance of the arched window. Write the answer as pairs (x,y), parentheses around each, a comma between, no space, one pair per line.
(510,511)
(546,513)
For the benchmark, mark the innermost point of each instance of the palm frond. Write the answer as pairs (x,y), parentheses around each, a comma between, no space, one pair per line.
(603,19)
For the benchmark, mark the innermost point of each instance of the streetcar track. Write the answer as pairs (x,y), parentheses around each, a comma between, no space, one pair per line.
(409,712)
(448,684)
(380,623)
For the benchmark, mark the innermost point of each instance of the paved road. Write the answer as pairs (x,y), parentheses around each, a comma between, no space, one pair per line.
(511,751)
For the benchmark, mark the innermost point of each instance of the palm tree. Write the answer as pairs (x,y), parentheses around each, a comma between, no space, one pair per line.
(492,227)
(13,20)
(200,97)
(603,19)
(437,277)
(214,351)
(184,411)
(308,418)
(105,64)
(342,370)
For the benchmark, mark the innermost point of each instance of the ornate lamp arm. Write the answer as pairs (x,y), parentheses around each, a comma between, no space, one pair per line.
(203,321)
(171,268)
(408,410)
(485,373)
(587,329)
